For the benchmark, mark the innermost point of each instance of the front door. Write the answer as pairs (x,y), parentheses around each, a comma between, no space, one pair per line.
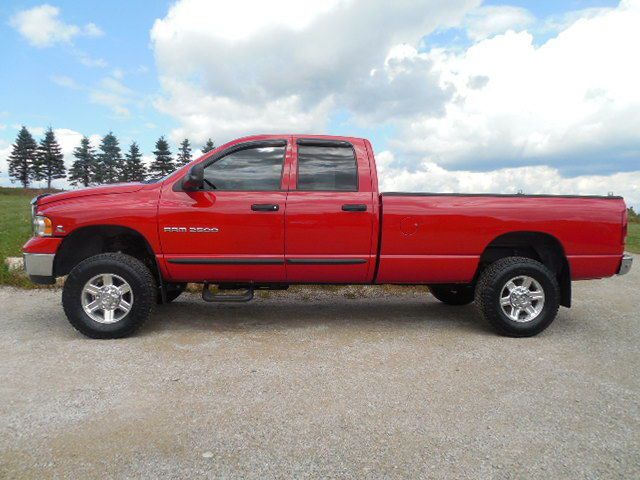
(233,229)
(330,215)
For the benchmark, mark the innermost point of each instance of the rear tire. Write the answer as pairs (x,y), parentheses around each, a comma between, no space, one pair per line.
(108,295)
(518,296)
(453,294)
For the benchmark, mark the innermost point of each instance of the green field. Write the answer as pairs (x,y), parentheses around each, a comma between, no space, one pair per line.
(633,238)
(15,229)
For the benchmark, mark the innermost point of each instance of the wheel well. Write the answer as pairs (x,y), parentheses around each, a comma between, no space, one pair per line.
(89,241)
(542,247)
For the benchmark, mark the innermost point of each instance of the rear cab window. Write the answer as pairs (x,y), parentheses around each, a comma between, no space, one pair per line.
(327,168)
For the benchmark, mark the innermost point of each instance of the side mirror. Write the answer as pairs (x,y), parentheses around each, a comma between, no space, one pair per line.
(194,180)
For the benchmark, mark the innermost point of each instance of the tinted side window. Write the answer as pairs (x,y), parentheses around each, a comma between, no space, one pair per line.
(327,168)
(249,169)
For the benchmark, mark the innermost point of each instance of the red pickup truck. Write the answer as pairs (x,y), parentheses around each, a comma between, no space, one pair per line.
(268,211)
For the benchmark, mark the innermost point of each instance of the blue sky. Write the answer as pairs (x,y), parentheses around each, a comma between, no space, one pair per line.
(31,95)
(402,87)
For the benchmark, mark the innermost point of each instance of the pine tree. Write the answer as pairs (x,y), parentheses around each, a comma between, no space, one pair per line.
(163,163)
(184,153)
(133,169)
(22,158)
(208,146)
(83,168)
(49,163)
(109,160)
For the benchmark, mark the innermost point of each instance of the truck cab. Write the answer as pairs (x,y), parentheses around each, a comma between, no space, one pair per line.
(251,217)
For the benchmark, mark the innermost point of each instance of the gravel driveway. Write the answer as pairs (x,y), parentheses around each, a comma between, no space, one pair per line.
(316,384)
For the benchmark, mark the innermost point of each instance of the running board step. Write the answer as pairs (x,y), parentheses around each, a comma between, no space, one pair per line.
(207,296)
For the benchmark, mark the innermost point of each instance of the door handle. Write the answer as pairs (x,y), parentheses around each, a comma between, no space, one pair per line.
(265,207)
(354,207)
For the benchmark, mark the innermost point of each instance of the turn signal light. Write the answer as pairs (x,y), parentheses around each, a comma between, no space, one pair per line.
(42,226)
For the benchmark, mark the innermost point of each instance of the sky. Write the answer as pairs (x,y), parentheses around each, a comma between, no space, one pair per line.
(455,95)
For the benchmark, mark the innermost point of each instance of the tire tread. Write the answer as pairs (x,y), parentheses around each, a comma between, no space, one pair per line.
(144,302)
(486,290)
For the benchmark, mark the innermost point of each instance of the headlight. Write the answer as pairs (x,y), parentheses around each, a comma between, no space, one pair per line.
(42,226)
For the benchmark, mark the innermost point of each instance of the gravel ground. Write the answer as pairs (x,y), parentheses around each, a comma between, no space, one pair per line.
(317,384)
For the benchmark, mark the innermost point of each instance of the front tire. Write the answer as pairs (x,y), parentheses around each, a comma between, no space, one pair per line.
(518,296)
(453,294)
(108,295)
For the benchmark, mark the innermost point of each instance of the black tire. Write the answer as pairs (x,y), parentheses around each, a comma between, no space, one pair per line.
(133,271)
(453,294)
(490,287)
(172,291)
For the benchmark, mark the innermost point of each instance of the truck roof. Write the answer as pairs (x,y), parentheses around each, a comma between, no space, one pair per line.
(296,135)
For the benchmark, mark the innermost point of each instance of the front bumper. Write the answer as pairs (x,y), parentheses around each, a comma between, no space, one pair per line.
(39,267)
(625,264)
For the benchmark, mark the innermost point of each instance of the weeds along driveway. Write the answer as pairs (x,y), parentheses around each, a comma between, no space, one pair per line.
(318,384)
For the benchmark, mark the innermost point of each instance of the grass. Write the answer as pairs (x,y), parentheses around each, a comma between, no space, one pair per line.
(15,230)
(633,238)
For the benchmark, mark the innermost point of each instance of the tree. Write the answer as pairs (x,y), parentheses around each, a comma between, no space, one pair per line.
(208,146)
(109,160)
(184,153)
(83,169)
(163,163)
(133,169)
(22,158)
(49,163)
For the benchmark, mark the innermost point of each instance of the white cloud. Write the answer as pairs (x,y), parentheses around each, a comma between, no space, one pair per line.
(291,15)
(114,85)
(572,102)
(204,115)
(109,92)
(404,85)
(92,30)
(503,101)
(559,22)
(432,177)
(89,61)
(42,27)
(68,140)
(64,81)
(35,131)
(505,106)
(486,21)
(289,62)
(5,151)
(112,100)
(113,94)
(148,159)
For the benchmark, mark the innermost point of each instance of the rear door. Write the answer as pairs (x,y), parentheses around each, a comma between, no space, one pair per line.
(329,220)
(233,229)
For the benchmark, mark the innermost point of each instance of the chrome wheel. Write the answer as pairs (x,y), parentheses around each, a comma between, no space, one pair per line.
(107,298)
(522,299)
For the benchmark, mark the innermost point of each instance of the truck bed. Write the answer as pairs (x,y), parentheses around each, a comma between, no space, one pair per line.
(439,238)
